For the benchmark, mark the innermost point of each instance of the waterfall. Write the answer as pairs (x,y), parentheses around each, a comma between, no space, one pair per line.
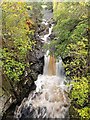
(50,99)
(51,64)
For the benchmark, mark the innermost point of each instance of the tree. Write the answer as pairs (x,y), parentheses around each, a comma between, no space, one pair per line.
(71,43)
(16,44)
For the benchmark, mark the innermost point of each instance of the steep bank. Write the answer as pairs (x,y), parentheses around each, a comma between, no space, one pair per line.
(36,57)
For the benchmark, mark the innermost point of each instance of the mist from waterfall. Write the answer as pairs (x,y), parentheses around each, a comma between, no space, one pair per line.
(50,99)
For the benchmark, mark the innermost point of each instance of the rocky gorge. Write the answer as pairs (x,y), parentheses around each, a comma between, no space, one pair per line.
(36,57)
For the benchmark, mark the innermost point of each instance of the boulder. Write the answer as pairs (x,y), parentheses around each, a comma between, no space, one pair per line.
(52,36)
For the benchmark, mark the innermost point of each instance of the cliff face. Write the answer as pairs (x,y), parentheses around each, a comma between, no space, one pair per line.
(36,58)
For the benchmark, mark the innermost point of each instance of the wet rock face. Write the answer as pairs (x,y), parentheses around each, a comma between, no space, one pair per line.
(36,59)
(52,36)
(43,29)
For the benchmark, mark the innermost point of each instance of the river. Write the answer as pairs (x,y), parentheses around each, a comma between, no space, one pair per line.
(50,99)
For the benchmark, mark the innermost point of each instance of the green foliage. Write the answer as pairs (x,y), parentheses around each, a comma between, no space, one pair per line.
(49,5)
(18,28)
(15,29)
(84,112)
(72,43)
(80,91)
(16,42)
(14,69)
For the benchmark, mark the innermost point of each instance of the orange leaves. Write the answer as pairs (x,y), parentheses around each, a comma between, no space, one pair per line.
(29,23)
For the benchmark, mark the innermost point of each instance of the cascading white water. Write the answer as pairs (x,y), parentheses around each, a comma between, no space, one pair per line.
(45,40)
(50,99)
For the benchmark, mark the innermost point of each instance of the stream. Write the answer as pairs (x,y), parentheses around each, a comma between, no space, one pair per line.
(50,99)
